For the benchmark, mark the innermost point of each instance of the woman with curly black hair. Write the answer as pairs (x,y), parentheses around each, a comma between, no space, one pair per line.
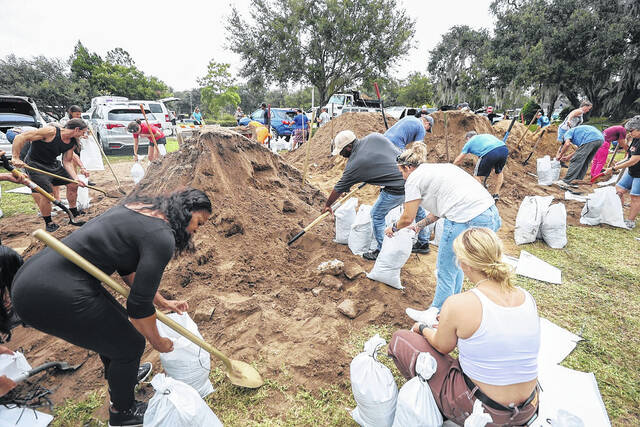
(10,262)
(137,240)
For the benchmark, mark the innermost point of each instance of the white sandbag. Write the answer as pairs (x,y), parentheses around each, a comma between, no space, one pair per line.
(394,254)
(393,215)
(374,389)
(345,217)
(603,207)
(435,230)
(162,149)
(554,226)
(548,170)
(13,365)
(361,231)
(187,362)
(478,417)
(177,404)
(90,155)
(137,172)
(416,405)
(84,200)
(17,416)
(529,218)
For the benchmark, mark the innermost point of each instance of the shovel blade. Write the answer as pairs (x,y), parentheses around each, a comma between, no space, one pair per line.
(244,375)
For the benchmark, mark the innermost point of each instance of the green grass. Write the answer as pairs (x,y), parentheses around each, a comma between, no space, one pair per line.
(74,413)
(15,203)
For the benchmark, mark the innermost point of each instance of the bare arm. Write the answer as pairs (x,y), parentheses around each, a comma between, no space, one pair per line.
(175,305)
(45,134)
(445,338)
(332,198)
(135,147)
(409,213)
(459,159)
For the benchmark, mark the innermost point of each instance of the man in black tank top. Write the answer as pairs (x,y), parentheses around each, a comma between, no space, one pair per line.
(47,144)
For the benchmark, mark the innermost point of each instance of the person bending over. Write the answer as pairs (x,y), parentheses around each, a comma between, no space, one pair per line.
(630,182)
(47,144)
(372,160)
(612,135)
(495,327)
(138,129)
(588,141)
(492,153)
(409,129)
(137,240)
(448,192)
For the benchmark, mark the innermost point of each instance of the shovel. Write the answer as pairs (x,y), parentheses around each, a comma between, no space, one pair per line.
(15,172)
(384,118)
(106,193)
(534,147)
(335,206)
(58,366)
(239,373)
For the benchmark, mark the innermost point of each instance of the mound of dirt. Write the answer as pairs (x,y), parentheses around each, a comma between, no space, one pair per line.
(260,288)
(548,145)
(458,124)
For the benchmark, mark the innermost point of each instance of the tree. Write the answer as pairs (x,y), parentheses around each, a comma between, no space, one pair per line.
(416,91)
(330,45)
(218,90)
(119,56)
(47,81)
(456,65)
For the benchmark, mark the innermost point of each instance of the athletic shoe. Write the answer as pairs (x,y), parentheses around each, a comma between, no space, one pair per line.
(420,248)
(144,371)
(631,224)
(133,417)
(427,317)
(51,227)
(560,183)
(89,182)
(496,197)
(371,255)
(564,165)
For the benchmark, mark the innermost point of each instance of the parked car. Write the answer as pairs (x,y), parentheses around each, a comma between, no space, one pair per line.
(109,122)
(281,121)
(159,111)
(17,111)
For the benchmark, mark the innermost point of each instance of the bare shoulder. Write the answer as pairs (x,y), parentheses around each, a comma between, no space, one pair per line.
(45,133)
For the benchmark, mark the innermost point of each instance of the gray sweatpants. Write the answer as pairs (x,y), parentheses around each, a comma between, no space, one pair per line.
(581,160)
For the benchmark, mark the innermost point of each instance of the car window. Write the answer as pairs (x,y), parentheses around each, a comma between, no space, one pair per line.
(258,114)
(126,114)
(155,108)
(96,114)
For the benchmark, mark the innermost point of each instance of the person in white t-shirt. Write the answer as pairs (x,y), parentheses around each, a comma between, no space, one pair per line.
(445,191)
(324,117)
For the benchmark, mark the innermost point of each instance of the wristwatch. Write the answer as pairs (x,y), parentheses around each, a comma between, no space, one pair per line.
(394,227)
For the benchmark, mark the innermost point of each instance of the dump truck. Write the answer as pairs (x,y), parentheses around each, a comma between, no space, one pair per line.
(351,102)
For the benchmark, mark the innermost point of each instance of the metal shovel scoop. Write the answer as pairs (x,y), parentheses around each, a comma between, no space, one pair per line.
(59,366)
(239,373)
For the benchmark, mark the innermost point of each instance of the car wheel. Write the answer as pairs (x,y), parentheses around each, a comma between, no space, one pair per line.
(287,138)
(104,148)
(274,134)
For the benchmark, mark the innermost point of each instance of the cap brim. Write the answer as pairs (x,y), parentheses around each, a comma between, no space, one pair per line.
(336,151)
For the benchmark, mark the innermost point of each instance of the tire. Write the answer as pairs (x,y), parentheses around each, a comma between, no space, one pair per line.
(106,150)
(274,134)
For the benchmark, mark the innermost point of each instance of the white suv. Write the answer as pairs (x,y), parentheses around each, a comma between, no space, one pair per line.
(159,111)
(110,124)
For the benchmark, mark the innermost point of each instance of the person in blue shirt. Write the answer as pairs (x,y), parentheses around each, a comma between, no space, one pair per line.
(197,116)
(492,153)
(408,130)
(542,120)
(588,140)
(300,128)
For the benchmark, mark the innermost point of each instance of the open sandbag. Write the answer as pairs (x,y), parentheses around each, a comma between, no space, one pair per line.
(603,207)
(361,233)
(345,217)
(529,218)
(394,254)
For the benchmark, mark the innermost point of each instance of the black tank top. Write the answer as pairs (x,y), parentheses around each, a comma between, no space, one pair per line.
(45,153)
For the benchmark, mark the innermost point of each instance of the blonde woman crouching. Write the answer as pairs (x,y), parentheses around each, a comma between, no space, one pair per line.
(496,328)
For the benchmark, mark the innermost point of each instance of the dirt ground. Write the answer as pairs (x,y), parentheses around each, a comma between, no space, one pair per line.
(258,288)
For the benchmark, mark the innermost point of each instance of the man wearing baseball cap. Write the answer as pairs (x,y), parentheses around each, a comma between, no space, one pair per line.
(372,159)
(410,129)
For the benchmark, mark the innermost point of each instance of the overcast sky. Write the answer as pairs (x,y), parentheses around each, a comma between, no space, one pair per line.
(174,40)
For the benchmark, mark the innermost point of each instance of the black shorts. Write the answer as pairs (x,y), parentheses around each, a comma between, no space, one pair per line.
(45,181)
(494,159)
(162,140)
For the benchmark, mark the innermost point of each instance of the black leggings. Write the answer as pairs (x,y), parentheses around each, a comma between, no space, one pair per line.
(74,307)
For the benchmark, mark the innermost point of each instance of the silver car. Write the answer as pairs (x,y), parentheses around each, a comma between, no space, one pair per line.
(110,121)
(17,111)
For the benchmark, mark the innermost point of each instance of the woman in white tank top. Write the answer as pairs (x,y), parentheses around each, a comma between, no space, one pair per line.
(496,328)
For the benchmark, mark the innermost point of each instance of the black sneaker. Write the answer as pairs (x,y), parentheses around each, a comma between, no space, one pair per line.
(132,417)
(371,255)
(496,197)
(51,227)
(420,248)
(144,371)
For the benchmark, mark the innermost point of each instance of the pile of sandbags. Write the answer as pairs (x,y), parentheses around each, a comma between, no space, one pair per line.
(537,219)
(345,216)
(548,170)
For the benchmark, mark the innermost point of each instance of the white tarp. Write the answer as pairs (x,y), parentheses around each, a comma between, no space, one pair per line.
(572,391)
(556,343)
(20,190)
(23,417)
(533,267)
(568,195)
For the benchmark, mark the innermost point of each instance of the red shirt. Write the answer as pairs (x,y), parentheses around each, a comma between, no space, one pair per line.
(144,130)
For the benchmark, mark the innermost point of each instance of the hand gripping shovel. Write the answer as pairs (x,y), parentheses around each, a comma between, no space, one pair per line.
(239,373)
(335,206)
(106,193)
(15,172)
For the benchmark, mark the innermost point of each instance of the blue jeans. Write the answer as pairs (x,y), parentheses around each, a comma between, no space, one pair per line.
(381,208)
(449,275)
